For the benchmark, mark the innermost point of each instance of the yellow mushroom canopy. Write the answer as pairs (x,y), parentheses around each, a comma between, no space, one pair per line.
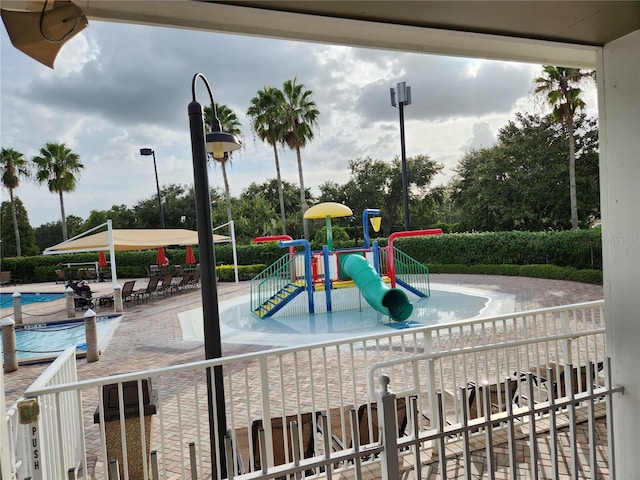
(328,209)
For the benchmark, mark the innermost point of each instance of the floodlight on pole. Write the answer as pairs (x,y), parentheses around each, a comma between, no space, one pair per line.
(403,94)
(147,152)
(218,143)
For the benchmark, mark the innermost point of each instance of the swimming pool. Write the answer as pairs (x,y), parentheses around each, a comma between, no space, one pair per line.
(45,341)
(27,298)
(447,304)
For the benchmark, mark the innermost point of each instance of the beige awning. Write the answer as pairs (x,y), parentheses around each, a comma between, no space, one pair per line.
(132,239)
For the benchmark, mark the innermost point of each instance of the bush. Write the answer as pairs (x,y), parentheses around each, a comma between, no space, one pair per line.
(226,273)
(581,249)
(586,276)
(537,271)
(495,253)
(507,270)
(546,271)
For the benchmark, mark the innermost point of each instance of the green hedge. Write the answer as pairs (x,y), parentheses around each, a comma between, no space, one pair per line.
(537,271)
(497,253)
(226,273)
(581,249)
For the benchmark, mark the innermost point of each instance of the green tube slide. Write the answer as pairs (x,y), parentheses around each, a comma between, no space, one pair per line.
(386,300)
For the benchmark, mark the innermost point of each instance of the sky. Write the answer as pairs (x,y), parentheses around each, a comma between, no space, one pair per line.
(117,88)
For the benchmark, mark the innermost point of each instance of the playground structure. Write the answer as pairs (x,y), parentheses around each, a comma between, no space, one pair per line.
(339,279)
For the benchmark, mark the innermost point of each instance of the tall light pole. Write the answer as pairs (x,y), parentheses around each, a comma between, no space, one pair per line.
(146,152)
(217,143)
(404,98)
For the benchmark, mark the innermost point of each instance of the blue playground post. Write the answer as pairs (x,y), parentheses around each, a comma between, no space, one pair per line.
(307,266)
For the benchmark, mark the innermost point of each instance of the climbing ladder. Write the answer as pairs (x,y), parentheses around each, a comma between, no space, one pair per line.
(278,300)
(275,286)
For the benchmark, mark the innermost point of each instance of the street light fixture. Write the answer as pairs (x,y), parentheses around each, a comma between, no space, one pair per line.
(146,152)
(217,143)
(404,98)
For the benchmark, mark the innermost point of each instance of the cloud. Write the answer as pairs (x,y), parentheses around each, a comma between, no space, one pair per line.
(119,87)
(483,136)
(444,87)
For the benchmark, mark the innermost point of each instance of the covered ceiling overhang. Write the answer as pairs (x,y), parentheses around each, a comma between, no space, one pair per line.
(131,239)
(566,33)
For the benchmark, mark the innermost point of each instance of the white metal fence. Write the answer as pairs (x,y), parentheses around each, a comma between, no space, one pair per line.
(323,388)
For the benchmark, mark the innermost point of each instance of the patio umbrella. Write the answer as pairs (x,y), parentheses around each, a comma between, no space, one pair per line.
(102,260)
(190,258)
(161,259)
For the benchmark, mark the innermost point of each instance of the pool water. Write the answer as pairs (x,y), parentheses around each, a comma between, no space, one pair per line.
(47,340)
(446,305)
(6,299)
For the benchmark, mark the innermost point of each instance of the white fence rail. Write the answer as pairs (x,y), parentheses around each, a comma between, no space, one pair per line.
(49,447)
(322,388)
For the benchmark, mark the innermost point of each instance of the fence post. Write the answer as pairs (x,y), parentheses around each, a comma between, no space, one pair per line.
(388,421)
(566,343)
(91,335)
(9,345)
(17,307)
(71,306)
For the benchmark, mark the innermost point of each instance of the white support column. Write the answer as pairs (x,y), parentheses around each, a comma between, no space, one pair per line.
(619,107)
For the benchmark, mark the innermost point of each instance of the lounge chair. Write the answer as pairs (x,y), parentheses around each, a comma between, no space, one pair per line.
(364,413)
(553,375)
(104,274)
(61,276)
(184,281)
(195,279)
(145,293)
(472,400)
(281,453)
(363,421)
(127,291)
(165,285)
(91,274)
(80,274)
(498,396)
(105,301)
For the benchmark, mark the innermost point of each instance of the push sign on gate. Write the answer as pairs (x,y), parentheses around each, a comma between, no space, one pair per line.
(28,411)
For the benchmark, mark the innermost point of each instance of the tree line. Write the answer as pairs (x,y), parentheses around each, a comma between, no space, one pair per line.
(520,183)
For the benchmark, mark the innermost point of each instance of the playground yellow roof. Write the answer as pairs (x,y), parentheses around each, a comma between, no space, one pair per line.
(328,209)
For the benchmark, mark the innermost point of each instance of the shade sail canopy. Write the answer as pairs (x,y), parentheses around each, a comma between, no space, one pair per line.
(132,239)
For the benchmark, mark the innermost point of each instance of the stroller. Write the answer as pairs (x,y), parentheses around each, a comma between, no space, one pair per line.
(82,298)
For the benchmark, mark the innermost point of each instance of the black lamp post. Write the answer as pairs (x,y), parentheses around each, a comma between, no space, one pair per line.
(404,98)
(146,152)
(217,143)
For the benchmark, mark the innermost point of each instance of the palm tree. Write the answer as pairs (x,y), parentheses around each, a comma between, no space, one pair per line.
(266,122)
(57,166)
(13,166)
(230,124)
(560,87)
(300,116)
